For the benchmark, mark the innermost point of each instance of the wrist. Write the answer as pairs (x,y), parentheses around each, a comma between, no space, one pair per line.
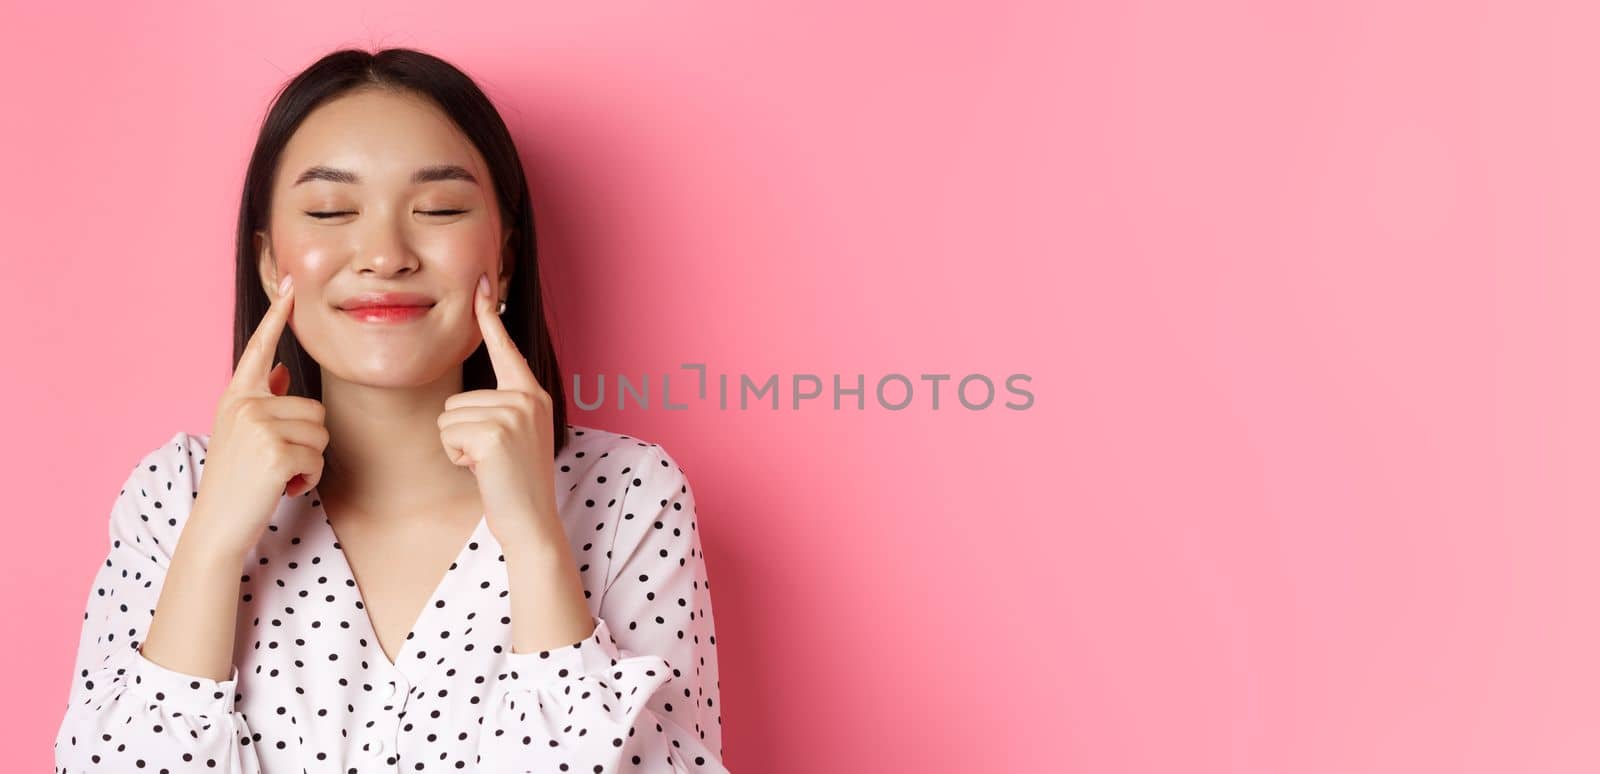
(534,547)
(202,544)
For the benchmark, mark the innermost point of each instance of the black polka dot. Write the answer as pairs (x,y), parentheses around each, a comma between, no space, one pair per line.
(313,680)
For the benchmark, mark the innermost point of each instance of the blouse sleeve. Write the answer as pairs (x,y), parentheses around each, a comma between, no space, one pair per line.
(124,711)
(640,693)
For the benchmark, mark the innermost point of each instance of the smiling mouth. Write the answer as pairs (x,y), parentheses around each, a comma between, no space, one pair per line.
(387,314)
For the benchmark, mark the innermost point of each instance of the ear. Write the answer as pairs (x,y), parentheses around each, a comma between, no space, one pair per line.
(266,265)
(508,263)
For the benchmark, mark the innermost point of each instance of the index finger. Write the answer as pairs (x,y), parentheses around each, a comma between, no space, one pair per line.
(256,361)
(511,370)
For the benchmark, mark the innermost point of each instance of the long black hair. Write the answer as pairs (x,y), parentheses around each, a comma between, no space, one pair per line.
(460,98)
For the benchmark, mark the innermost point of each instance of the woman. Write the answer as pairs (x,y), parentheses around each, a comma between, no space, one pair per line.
(390,558)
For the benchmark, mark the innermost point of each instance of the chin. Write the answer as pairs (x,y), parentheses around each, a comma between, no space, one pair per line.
(388,373)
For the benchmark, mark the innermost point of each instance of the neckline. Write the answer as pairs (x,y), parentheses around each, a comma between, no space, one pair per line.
(370,630)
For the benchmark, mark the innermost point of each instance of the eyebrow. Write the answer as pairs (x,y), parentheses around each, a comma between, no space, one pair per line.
(423,175)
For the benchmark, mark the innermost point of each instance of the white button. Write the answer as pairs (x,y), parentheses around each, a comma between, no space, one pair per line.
(375,748)
(391,690)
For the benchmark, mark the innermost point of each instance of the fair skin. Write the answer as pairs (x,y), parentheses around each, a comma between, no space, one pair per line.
(411,461)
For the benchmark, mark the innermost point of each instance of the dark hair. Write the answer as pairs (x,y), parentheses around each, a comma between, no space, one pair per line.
(460,98)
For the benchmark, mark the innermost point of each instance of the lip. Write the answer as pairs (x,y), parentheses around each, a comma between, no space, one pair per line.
(387,314)
(377,300)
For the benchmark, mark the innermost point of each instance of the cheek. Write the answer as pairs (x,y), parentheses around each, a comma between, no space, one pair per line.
(303,257)
(312,265)
(463,255)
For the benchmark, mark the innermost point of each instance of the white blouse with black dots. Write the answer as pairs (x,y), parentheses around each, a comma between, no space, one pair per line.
(311,690)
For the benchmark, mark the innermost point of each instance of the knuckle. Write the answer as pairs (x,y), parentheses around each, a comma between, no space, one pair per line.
(496,434)
(276,457)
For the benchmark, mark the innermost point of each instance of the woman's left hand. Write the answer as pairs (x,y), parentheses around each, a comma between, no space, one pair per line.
(504,436)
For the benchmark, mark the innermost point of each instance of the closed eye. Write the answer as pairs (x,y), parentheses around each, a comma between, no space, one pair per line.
(322,215)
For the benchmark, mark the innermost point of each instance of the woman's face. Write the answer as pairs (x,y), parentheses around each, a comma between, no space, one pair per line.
(359,157)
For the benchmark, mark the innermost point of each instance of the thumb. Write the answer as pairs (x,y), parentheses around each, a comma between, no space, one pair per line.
(278,379)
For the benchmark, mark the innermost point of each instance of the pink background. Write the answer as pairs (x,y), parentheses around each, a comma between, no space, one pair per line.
(1304,292)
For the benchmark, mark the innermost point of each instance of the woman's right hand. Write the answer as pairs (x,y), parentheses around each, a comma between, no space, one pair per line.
(264,443)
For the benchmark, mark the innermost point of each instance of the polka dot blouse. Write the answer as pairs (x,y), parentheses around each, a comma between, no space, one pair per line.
(312,691)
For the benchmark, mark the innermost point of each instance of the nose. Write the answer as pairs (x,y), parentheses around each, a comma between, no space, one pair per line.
(384,250)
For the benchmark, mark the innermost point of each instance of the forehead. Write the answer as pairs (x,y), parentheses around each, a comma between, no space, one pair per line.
(382,136)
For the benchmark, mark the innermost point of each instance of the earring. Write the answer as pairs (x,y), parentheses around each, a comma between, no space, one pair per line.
(502,309)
